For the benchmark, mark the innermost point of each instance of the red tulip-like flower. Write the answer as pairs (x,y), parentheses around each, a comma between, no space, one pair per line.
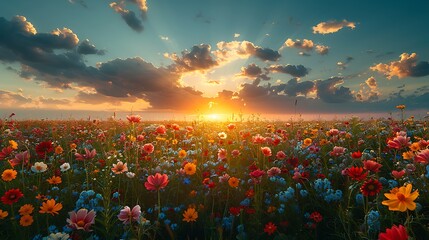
(372,166)
(356,173)
(156,182)
(422,157)
(394,233)
(134,118)
(81,219)
(88,155)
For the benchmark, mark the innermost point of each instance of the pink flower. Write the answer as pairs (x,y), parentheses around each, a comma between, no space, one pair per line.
(274,171)
(156,182)
(333,132)
(119,167)
(258,139)
(221,154)
(257,173)
(81,219)
(88,155)
(235,153)
(422,157)
(399,142)
(372,166)
(127,215)
(266,151)
(338,151)
(280,155)
(134,118)
(148,148)
(20,158)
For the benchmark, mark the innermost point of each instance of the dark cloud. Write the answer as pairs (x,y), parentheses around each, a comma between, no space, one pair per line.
(255,72)
(328,90)
(199,58)
(344,64)
(85,47)
(266,54)
(128,16)
(407,66)
(201,17)
(293,87)
(294,70)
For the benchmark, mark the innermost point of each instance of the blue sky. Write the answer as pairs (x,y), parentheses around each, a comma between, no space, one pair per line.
(204,56)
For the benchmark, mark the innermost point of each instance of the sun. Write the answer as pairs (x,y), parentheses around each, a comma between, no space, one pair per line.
(215,117)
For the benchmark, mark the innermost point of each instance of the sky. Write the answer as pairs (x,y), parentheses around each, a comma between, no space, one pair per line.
(214,57)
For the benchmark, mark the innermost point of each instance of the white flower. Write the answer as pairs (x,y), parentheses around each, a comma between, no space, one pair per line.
(64,167)
(58,236)
(130,174)
(39,167)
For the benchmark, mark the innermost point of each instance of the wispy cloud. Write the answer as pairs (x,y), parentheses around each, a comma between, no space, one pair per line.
(332,26)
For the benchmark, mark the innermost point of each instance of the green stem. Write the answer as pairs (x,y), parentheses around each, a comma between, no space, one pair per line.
(159,204)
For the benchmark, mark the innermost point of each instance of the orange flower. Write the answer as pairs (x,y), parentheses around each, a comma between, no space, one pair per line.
(190,168)
(26,220)
(54,180)
(233,182)
(307,142)
(190,215)
(408,155)
(8,175)
(415,147)
(3,214)
(51,207)
(182,153)
(59,150)
(26,209)
(401,199)
(73,146)
(119,167)
(13,144)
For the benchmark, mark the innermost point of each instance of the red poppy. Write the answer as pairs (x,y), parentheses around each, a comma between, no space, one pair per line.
(372,166)
(394,233)
(235,211)
(316,217)
(356,173)
(270,228)
(43,148)
(11,196)
(371,187)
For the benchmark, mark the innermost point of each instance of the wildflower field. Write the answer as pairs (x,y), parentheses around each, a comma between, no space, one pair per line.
(131,179)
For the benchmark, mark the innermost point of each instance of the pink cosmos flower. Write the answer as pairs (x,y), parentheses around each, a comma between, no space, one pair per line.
(148,148)
(221,154)
(400,141)
(372,166)
(127,215)
(422,157)
(81,219)
(156,182)
(338,151)
(280,155)
(266,151)
(274,171)
(88,155)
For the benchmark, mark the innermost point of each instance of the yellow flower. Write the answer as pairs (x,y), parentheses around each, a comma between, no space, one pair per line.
(233,182)
(26,220)
(26,209)
(190,215)
(51,207)
(3,214)
(182,153)
(401,199)
(54,180)
(58,150)
(8,175)
(132,138)
(13,144)
(190,168)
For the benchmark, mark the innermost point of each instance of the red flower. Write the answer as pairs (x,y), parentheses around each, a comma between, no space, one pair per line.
(371,187)
(394,233)
(372,166)
(398,174)
(357,154)
(43,148)
(356,173)
(156,182)
(422,157)
(235,211)
(5,152)
(134,118)
(270,228)
(11,196)
(316,217)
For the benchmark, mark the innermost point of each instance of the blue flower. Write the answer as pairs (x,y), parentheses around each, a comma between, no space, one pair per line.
(373,221)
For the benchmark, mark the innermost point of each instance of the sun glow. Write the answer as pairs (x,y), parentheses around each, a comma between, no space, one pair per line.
(215,117)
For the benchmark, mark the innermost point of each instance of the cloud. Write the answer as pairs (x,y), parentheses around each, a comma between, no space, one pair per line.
(236,35)
(306,45)
(368,91)
(200,17)
(81,2)
(371,82)
(85,47)
(199,58)
(407,66)
(128,16)
(343,65)
(294,88)
(165,38)
(229,51)
(294,70)
(9,99)
(255,72)
(328,91)
(332,26)
(142,6)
